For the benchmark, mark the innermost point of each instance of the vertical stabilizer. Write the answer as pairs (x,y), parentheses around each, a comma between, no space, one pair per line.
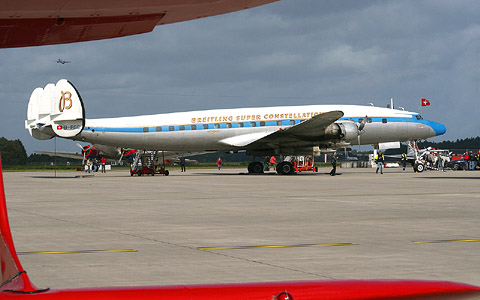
(56,110)
(13,276)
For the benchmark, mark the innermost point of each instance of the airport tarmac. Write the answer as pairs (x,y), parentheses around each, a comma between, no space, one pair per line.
(211,226)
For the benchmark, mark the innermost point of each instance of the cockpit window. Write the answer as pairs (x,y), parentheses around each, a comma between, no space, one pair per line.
(419,117)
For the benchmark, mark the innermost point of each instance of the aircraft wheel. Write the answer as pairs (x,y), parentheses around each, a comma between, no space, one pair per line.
(255,167)
(285,168)
(166,173)
(419,168)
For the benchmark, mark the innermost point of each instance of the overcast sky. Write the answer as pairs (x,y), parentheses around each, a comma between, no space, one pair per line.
(291,52)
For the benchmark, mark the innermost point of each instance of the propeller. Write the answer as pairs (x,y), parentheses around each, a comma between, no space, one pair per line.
(83,151)
(360,126)
(122,151)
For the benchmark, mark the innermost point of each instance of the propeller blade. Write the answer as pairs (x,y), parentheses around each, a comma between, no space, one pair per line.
(121,157)
(362,124)
(78,144)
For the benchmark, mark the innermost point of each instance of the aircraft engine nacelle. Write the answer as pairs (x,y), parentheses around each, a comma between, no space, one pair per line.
(343,130)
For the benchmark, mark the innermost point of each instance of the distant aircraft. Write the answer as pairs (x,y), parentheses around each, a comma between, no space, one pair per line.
(23,24)
(58,110)
(117,154)
(62,61)
(15,284)
(423,158)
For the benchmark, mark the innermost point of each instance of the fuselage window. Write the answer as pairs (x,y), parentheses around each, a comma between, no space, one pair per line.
(292,122)
(360,120)
(182,127)
(158,129)
(171,128)
(145,129)
(205,126)
(217,126)
(279,123)
(194,127)
(253,124)
(369,120)
(262,123)
(241,124)
(229,125)
(384,121)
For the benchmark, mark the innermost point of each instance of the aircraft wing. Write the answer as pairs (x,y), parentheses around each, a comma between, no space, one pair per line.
(26,23)
(70,155)
(174,157)
(306,132)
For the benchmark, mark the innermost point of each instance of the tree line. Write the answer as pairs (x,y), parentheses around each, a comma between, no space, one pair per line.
(13,152)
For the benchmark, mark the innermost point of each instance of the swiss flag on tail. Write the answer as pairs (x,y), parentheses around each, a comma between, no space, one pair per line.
(425,102)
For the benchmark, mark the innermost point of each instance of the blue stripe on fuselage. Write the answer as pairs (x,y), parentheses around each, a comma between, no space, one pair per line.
(438,128)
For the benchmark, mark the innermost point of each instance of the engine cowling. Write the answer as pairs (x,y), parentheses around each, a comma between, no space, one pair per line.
(343,130)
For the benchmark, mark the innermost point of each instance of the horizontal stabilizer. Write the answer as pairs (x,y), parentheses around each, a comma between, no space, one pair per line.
(56,110)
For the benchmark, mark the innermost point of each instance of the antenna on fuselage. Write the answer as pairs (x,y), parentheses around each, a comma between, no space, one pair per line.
(391,105)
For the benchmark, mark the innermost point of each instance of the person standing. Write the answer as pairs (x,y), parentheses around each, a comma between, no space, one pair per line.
(182,164)
(404,160)
(273,161)
(265,164)
(219,163)
(103,160)
(472,161)
(88,164)
(379,159)
(333,172)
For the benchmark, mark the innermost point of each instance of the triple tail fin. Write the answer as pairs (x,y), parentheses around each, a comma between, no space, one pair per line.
(56,110)
(13,276)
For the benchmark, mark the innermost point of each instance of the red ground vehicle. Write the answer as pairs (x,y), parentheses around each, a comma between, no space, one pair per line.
(304,163)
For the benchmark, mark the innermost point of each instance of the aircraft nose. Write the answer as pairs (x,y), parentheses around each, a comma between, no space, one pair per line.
(438,128)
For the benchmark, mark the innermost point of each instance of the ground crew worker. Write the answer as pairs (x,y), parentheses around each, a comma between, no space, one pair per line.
(333,172)
(404,160)
(379,159)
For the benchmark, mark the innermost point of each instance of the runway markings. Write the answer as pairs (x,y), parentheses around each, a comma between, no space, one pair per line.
(444,241)
(276,246)
(76,252)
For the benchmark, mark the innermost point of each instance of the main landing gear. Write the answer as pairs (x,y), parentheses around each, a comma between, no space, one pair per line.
(255,167)
(283,168)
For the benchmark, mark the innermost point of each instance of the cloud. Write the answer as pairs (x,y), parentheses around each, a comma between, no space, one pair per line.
(287,53)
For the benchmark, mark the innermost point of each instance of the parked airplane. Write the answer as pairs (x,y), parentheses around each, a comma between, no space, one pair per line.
(25,24)
(15,284)
(57,110)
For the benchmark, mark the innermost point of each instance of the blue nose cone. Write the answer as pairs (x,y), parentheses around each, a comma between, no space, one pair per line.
(438,128)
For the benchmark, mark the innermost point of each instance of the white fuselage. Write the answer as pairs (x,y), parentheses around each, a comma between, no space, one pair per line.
(207,130)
